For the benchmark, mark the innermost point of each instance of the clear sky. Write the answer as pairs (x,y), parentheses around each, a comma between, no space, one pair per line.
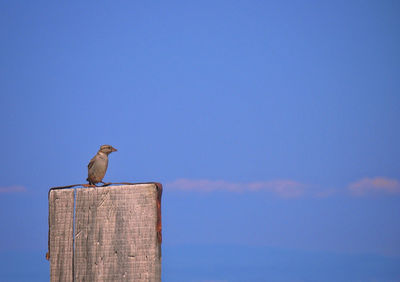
(273,125)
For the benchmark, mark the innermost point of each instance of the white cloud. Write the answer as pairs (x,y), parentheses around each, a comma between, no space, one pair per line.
(290,188)
(12,189)
(375,185)
(282,188)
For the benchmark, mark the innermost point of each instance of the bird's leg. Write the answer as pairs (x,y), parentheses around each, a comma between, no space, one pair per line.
(88,185)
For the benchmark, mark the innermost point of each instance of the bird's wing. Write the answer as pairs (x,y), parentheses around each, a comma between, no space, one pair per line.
(91,162)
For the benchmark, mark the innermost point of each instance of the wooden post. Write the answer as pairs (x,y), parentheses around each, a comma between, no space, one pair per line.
(105,233)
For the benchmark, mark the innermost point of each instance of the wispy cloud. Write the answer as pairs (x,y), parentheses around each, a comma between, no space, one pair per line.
(282,188)
(12,189)
(291,188)
(375,185)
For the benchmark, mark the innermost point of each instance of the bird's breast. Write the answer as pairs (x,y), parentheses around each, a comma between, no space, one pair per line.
(99,168)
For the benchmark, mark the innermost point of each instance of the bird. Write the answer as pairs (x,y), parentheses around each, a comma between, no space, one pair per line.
(97,166)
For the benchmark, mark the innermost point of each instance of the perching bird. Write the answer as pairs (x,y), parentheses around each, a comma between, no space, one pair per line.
(97,166)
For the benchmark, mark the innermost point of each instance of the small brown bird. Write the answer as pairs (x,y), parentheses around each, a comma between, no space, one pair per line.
(97,166)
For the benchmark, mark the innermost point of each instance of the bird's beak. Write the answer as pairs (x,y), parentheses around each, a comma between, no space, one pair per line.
(113,150)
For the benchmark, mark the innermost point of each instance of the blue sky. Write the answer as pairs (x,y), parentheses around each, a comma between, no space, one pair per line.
(273,126)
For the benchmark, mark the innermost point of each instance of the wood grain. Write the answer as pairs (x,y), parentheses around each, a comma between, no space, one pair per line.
(116,234)
(61,213)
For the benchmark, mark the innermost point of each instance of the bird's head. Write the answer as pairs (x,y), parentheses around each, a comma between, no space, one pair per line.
(107,149)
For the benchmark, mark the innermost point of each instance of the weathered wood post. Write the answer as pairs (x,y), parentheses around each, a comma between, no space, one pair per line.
(105,233)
